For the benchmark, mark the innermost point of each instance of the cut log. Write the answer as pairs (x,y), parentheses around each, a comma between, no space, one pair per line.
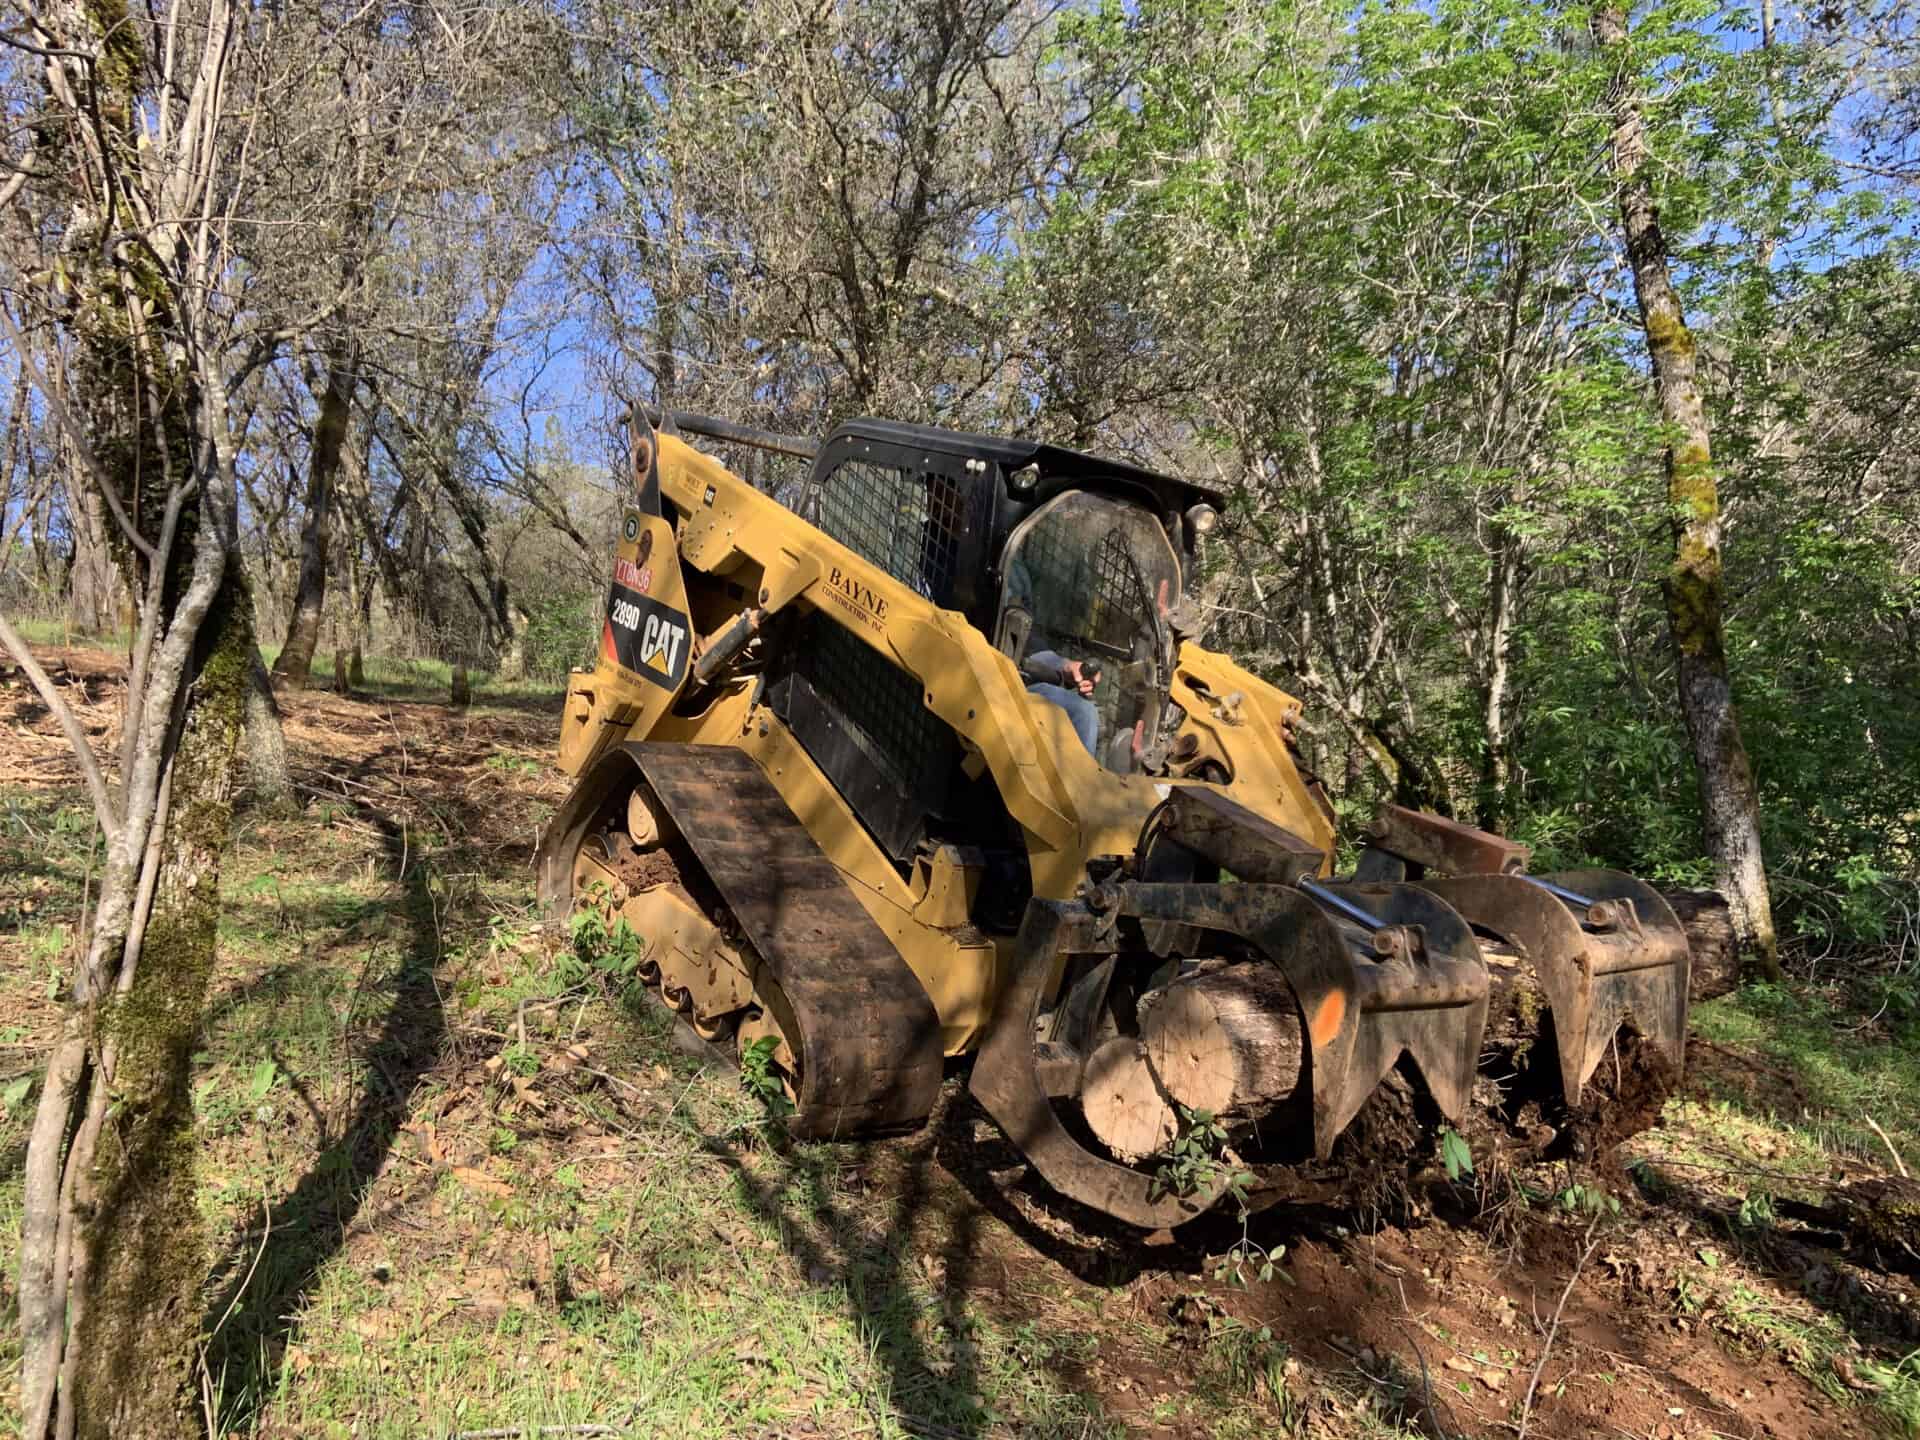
(1123,1106)
(1229,1043)
(1704,916)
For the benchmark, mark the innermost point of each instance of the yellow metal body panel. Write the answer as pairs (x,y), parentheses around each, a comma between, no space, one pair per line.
(1069,808)
(646,566)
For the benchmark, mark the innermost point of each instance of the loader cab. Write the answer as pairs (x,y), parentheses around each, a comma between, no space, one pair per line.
(1090,582)
(1048,551)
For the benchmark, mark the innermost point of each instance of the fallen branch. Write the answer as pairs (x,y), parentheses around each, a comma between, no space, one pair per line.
(104,810)
(1898,1163)
(515,1432)
(1426,1379)
(1526,1409)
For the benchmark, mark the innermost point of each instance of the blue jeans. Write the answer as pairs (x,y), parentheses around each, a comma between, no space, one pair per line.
(1082,711)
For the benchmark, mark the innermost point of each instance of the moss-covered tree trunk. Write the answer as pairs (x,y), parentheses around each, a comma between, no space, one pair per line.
(139,1244)
(112,1251)
(1695,586)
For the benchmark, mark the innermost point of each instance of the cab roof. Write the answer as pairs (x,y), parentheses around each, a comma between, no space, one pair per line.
(1057,463)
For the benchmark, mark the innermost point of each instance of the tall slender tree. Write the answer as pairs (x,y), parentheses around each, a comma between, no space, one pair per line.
(1695,581)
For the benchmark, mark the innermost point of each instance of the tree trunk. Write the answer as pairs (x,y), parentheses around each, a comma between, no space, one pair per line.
(362,573)
(1229,1043)
(139,1239)
(112,1243)
(295,661)
(1695,586)
(513,653)
(1496,678)
(268,775)
(93,586)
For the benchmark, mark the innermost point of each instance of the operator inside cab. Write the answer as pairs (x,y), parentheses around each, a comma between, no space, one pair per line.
(1088,583)
(1057,593)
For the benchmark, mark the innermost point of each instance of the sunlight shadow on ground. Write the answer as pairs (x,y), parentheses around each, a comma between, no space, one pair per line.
(261,1284)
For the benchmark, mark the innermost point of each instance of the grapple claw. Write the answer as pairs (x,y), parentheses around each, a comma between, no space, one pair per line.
(1412,985)
(1619,954)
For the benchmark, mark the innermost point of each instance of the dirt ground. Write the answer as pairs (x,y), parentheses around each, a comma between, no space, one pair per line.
(1500,1304)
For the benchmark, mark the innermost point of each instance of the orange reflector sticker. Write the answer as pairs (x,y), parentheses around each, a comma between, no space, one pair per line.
(1327,1017)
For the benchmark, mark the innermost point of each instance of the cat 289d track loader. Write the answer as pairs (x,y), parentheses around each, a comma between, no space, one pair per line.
(920,760)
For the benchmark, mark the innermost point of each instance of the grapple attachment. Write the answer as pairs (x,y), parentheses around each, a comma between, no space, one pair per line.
(1606,949)
(1378,972)
(1387,967)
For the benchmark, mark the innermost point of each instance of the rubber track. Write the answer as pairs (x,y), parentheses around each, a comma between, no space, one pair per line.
(869,1038)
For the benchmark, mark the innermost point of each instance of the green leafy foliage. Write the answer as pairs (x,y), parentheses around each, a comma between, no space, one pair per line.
(1194,1163)
(1588,1201)
(1456,1156)
(760,1077)
(513,764)
(587,928)
(1352,353)
(265,1075)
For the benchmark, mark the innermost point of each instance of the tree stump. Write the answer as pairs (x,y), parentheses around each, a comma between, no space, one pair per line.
(1229,1042)
(340,681)
(1123,1106)
(462,689)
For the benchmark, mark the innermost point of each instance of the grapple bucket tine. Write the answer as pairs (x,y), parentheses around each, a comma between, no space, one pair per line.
(1621,957)
(1423,993)
(1641,965)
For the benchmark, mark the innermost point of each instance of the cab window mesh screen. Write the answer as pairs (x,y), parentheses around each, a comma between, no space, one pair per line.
(906,522)
(1094,597)
(1120,603)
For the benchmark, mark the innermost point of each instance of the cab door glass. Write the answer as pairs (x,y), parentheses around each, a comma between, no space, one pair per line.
(1090,580)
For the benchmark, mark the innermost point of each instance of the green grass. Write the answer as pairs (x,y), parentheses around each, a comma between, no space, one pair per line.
(429,680)
(457,1178)
(59,632)
(1846,1066)
(1778,1111)
(623,1254)
(386,676)
(407,1243)
(45,837)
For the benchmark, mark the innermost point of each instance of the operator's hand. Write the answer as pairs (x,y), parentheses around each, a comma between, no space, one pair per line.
(1078,677)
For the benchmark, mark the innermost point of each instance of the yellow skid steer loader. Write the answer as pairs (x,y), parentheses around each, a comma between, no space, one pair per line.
(917,758)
